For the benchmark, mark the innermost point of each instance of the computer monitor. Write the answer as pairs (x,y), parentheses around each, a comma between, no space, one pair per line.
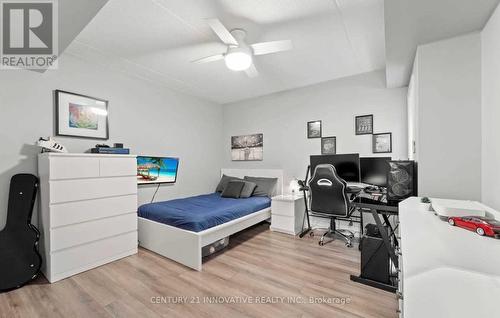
(374,170)
(157,170)
(347,165)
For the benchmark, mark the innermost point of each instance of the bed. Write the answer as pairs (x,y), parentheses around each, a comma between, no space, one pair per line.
(178,229)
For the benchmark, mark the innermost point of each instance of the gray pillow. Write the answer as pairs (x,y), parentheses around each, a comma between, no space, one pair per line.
(265,186)
(233,189)
(224,181)
(248,189)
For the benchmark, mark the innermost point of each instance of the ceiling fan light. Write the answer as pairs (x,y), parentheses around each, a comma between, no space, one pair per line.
(238,61)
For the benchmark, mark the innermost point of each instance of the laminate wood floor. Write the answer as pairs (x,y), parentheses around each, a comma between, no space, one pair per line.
(261,274)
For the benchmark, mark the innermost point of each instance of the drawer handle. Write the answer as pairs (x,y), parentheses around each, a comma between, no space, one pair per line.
(399,295)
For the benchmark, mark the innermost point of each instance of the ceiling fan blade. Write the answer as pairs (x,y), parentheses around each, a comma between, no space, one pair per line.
(271,47)
(207,59)
(222,32)
(252,71)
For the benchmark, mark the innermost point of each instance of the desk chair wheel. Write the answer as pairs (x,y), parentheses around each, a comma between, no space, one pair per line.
(349,245)
(321,243)
(311,234)
(346,233)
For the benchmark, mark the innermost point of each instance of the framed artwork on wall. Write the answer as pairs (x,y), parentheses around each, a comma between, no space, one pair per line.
(314,129)
(364,125)
(81,116)
(382,143)
(247,147)
(329,145)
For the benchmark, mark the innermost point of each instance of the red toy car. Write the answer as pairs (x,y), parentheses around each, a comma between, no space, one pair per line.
(479,224)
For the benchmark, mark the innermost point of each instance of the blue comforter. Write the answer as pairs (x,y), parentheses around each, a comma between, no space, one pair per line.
(202,212)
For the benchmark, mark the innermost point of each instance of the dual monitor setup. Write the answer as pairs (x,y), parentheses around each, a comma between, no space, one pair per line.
(372,171)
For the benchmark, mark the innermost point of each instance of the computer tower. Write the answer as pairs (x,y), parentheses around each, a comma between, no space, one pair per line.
(374,259)
(402,180)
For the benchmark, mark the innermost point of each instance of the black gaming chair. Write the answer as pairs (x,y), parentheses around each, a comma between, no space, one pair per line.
(329,199)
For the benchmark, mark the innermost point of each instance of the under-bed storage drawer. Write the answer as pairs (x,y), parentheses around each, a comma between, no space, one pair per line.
(80,258)
(88,189)
(81,233)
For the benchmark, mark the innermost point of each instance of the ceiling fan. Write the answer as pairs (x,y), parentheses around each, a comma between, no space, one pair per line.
(239,55)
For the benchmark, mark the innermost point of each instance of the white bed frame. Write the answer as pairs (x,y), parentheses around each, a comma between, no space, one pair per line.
(185,246)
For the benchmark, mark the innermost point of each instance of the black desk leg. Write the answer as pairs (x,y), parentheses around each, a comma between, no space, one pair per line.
(385,238)
(306,217)
(393,230)
(362,224)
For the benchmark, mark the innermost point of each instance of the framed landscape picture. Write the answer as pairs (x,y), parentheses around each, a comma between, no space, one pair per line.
(364,125)
(247,147)
(328,145)
(81,116)
(314,129)
(382,143)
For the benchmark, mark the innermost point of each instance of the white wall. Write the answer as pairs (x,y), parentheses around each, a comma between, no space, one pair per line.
(448,97)
(491,112)
(282,118)
(150,120)
(412,101)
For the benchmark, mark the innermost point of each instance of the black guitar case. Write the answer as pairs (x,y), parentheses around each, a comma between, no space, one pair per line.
(20,261)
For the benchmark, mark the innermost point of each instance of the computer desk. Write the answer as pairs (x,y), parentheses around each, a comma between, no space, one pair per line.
(385,209)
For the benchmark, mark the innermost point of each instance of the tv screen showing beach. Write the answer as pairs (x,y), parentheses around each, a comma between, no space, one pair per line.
(156,170)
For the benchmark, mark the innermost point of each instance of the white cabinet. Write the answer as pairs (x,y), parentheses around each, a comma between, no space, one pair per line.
(447,271)
(287,214)
(88,214)
(446,83)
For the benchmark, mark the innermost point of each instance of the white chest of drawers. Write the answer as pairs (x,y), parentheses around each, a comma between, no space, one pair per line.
(287,214)
(88,214)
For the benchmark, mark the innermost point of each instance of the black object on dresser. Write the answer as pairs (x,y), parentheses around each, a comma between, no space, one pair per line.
(20,261)
(402,180)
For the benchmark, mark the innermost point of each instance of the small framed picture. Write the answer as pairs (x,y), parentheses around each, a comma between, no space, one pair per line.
(81,116)
(329,145)
(314,129)
(364,125)
(382,143)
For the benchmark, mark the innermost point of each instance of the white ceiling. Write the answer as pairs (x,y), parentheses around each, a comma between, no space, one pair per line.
(409,23)
(73,16)
(156,40)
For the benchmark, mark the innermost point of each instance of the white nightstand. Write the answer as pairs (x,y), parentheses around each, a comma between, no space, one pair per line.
(287,214)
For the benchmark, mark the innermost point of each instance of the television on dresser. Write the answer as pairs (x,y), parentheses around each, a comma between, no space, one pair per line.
(156,170)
